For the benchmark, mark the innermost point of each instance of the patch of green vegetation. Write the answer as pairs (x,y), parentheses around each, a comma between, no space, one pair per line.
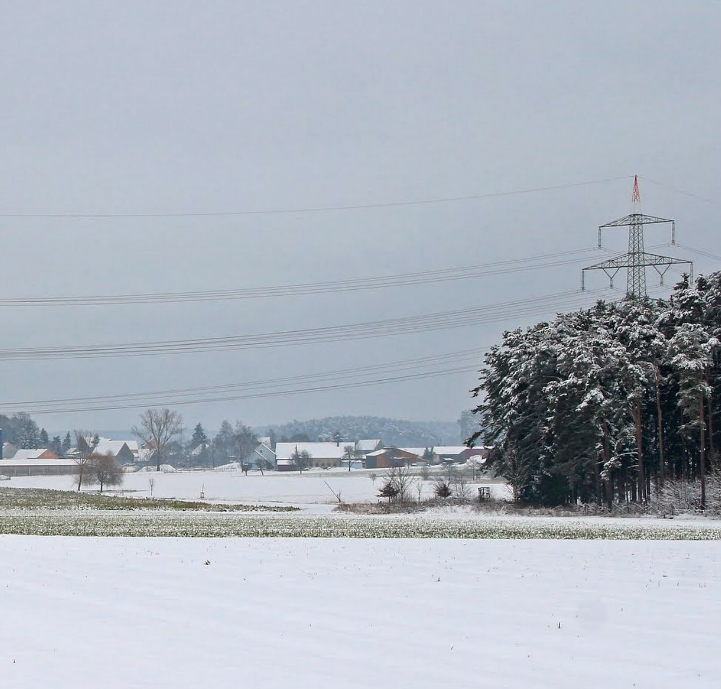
(35,498)
(143,523)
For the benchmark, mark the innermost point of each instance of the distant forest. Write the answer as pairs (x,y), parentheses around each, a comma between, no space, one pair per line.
(391,431)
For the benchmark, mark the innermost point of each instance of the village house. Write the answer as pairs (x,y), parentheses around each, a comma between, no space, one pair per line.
(37,462)
(390,457)
(261,456)
(447,454)
(122,451)
(322,455)
(363,447)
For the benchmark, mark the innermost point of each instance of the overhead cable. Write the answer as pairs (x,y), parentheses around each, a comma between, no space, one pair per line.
(358,372)
(317,209)
(353,331)
(348,285)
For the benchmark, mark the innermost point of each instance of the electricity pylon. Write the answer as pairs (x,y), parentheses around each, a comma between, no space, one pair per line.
(636,260)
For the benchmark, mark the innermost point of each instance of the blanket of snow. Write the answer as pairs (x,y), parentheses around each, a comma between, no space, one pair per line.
(118,613)
(308,488)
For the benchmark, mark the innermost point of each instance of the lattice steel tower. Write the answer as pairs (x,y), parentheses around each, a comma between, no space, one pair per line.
(636,260)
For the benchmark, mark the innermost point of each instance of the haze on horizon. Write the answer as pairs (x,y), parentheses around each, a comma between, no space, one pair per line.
(184,107)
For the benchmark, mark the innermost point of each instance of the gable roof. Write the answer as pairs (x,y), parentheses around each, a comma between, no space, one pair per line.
(113,447)
(449,449)
(315,450)
(368,445)
(36,463)
(418,451)
(22,455)
(400,451)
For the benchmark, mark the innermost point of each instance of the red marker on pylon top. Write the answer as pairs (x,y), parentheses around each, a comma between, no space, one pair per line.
(636,198)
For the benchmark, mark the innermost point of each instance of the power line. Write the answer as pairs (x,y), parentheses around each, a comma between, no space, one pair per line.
(677,190)
(701,252)
(302,289)
(173,396)
(276,393)
(362,376)
(355,331)
(316,209)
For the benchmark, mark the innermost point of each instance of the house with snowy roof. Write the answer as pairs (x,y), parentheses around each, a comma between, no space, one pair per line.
(363,447)
(122,451)
(388,457)
(36,462)
(261,456)
(323,454)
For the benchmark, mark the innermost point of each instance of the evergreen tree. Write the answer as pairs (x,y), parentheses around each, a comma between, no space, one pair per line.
(199,437)
(67,444)
(56,445)
(27,431)
(43,438)
(222,447)
(605,403)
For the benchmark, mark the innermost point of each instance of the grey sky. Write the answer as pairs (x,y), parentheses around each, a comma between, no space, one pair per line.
(153,107)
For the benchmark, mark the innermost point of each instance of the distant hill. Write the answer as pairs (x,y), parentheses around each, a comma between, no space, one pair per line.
(391,431)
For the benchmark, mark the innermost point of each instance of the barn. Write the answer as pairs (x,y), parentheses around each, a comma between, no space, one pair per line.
(390,457)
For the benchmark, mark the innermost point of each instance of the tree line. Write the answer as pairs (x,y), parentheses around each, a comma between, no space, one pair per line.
(607,404)
(22,431)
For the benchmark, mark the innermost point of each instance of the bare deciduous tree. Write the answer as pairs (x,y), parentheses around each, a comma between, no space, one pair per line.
(246,441)
(157,428)
(301,460)
(349,454)
(460,485)
(104,470)
(388,490)
(402,479)
(82,457)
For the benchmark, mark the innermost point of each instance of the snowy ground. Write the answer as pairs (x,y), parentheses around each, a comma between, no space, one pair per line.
(118,613)
(308,488)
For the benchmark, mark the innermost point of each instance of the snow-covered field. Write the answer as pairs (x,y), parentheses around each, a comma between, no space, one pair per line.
(308,488)
(331,613)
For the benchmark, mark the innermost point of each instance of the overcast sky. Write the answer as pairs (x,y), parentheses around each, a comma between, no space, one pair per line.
(189,106)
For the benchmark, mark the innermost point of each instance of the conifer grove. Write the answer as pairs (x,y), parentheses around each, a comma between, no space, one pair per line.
(608,404)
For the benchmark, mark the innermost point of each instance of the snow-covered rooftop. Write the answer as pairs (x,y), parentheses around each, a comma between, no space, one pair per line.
(34,462)
(415,450)
(112,447)
(23,455)
(367,445)
(449,449)
(315,450)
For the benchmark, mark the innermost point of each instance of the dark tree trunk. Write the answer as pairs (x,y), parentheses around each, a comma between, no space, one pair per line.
(639,448)
(659,415)
(711,448)
(702,455)
(607,459)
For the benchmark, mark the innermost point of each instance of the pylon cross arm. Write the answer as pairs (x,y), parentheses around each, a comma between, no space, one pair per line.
(635,219)
(631,260)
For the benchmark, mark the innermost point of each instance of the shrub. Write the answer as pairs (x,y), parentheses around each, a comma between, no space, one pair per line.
(442,490)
